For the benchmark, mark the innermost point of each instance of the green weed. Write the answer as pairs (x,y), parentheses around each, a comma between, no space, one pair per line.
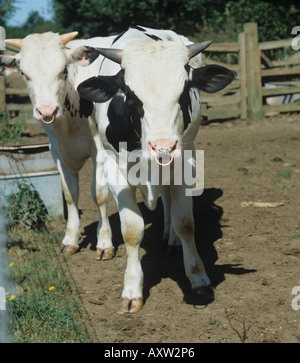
(46,311)
(282,179)
(11,131)
(286,174)
(26,207)
(214,322)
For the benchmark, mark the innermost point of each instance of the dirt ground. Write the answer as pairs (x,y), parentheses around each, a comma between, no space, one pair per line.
(251,254)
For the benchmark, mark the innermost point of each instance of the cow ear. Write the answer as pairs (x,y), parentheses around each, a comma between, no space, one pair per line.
(98,89)
(83,56)
(211,78)
(8,65)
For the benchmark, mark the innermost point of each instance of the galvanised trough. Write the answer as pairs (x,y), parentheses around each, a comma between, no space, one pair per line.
(33,164)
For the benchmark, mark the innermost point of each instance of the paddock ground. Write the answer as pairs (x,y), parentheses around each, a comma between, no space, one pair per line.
(251,254)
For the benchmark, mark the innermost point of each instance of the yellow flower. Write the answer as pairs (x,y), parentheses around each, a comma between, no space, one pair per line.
(12,297)
(11,264)
(51,288)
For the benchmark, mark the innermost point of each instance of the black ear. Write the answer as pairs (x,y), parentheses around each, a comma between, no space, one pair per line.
(211,78)
(100,89)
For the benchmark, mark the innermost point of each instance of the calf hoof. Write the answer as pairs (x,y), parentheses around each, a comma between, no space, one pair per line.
(69,250)
(203,295)
(131,306)
(106,254)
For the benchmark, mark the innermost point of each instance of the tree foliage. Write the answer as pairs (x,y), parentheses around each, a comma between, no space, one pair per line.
(275,19)
(7,8)
(218,20)
(34,23)
(104,17)
(94,17)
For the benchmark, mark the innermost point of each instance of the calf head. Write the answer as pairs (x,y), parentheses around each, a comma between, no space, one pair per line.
(42,62)
(155,83)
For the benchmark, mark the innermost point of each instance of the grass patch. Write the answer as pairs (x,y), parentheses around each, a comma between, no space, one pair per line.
(26,207)
(286,174)
(47,310)
(283,180)
(214,322)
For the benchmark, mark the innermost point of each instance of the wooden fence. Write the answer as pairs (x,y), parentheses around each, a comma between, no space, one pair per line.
(246,96)
(7,93)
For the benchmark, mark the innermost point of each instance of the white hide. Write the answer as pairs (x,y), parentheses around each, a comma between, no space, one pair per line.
(73,138)
(155,72)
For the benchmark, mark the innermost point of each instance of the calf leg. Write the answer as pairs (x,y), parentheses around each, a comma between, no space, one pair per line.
(132,227)
(183,223)
(70,188)
(169,235)
(100,193)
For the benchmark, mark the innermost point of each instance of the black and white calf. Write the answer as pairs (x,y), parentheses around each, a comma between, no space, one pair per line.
(152,104)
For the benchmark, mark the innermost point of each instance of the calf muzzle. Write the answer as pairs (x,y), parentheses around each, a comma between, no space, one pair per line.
(163,150)
(46,114)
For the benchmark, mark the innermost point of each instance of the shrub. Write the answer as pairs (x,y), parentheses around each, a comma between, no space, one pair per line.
(10,132)
(26,207)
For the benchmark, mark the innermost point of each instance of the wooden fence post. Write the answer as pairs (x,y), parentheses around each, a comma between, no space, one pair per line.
(253,71)
(243,76)
(2,94)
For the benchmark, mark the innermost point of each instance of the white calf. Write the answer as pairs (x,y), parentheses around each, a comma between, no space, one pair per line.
(50,66)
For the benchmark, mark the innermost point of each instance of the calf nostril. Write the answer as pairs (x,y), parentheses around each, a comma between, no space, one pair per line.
(47,114)
(175,147)
(153,147)
(55,112)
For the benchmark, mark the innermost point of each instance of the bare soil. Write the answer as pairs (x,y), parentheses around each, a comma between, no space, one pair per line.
(251,254)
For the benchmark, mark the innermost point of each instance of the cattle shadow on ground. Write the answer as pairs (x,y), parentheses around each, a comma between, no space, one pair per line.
(159,262)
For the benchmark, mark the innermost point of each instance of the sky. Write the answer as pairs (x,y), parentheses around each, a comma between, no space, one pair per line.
(26,6)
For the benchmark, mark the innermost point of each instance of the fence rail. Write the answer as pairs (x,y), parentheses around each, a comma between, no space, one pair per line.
(249,95)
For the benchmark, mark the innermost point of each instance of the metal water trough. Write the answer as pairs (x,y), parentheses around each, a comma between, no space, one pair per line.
(34,164)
